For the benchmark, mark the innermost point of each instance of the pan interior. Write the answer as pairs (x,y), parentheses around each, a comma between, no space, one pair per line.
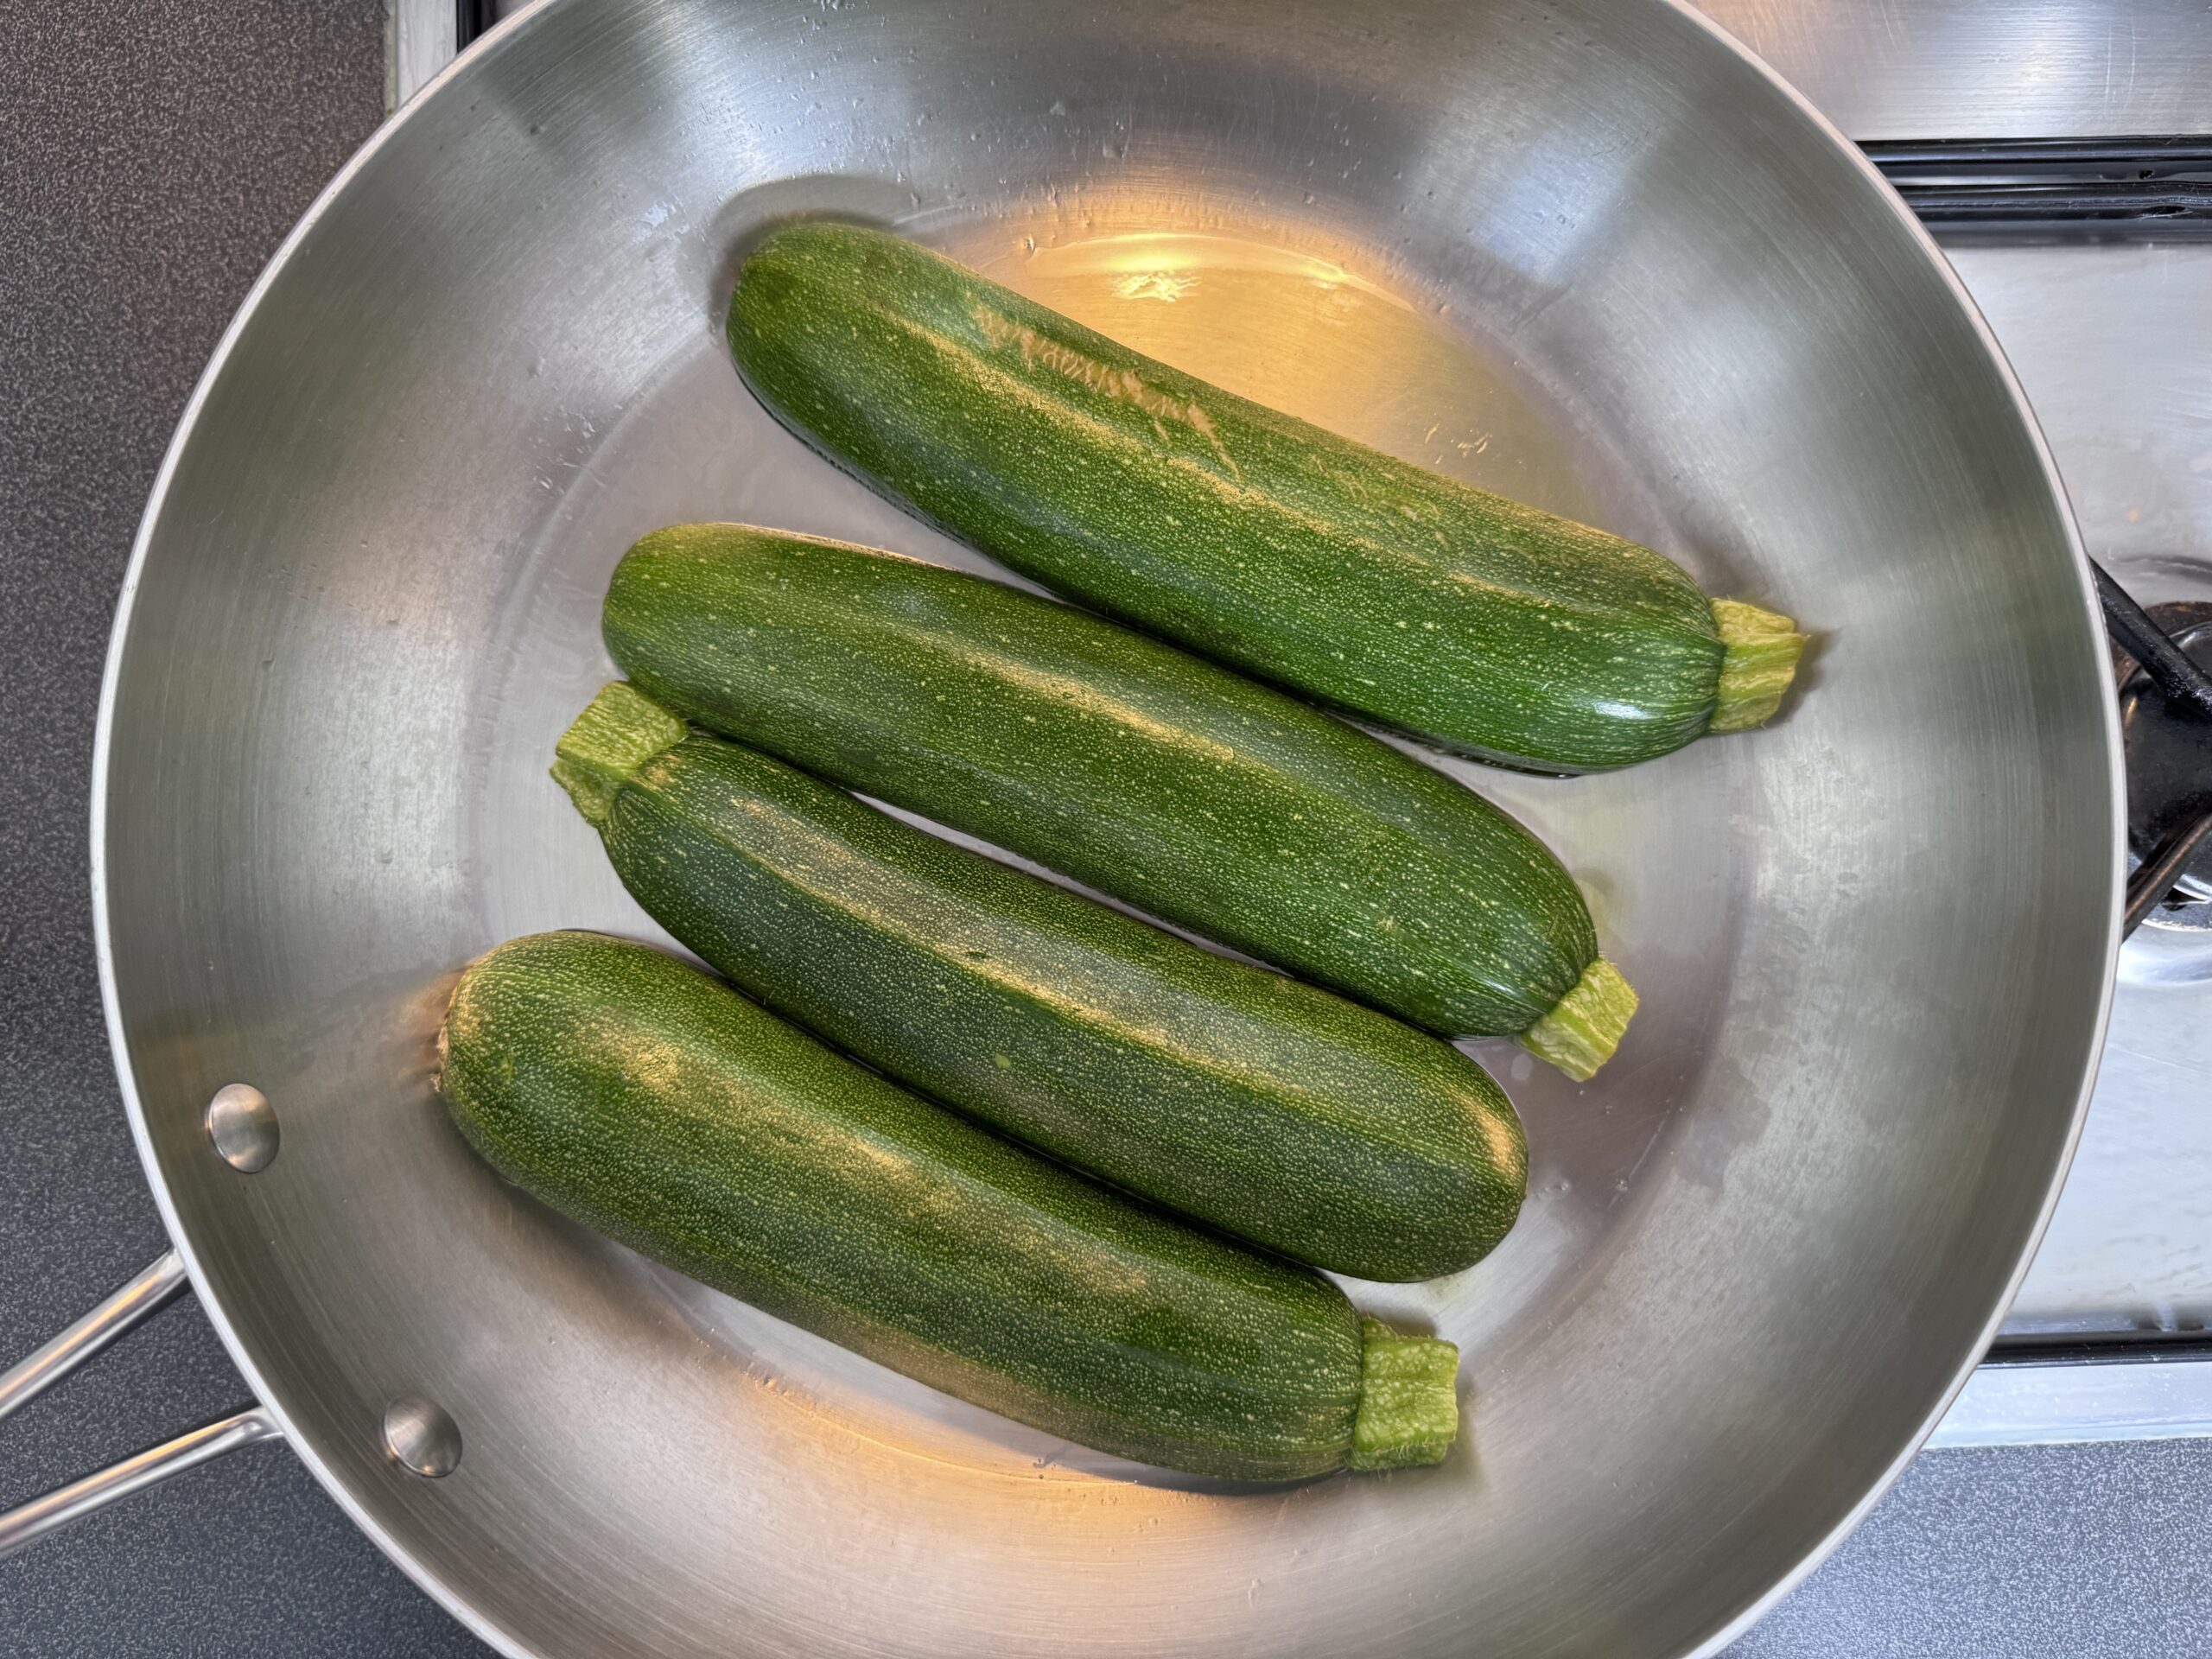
(1588,256)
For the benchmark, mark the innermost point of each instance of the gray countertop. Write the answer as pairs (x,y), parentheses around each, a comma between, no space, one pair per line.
(151,158)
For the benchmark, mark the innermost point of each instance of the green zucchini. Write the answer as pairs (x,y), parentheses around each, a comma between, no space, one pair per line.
(640,1097)
(1268,1108)
(1189,792)
(1420,603)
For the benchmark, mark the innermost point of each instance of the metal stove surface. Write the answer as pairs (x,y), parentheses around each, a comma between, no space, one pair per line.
(2114,344)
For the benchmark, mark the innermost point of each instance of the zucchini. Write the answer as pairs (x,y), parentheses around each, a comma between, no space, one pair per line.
(655,1105)
(1268,1108)
(1189,792)
(1422,604)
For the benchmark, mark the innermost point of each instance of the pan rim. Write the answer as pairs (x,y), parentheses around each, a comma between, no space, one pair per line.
(463,68)
(2116,801)
(419,1572)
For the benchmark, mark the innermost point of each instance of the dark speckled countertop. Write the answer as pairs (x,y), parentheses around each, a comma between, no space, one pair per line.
(152,154)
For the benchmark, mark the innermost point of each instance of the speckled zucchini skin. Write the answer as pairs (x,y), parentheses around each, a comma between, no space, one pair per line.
(1269,1109)
(1420,603)
(656,1106)
(1186,790)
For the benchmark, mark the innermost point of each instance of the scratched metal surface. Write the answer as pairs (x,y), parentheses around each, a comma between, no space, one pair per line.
(1972,69)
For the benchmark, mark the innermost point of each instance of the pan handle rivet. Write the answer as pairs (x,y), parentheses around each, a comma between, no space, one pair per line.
(243,1126)
(420,1435)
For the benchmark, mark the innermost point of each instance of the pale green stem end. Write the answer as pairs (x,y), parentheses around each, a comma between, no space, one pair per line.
(1761,659)
(621,730)
(1409,1400)
(1581,1032)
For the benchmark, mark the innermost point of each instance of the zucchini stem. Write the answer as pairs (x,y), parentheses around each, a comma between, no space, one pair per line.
(1761,659)
(1408,1403)
(1584,1027)
(621,730)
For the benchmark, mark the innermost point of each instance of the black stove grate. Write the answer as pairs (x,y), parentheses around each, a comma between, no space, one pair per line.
(2037,189)
(2169,783)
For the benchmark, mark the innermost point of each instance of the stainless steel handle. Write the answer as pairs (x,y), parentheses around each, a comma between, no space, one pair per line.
(31,1521)
(145,1293)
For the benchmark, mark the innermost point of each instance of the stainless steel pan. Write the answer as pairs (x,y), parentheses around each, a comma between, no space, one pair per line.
(1585,252)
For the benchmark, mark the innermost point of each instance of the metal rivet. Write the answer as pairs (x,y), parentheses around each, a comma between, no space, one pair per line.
(419,1435)
(243,1125)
